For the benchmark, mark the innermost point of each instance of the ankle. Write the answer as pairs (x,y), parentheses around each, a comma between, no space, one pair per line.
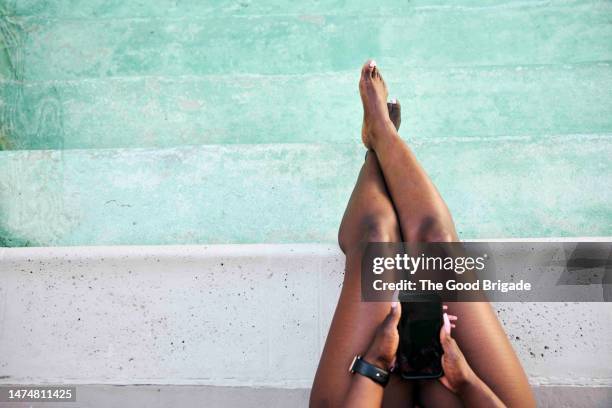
(382,131)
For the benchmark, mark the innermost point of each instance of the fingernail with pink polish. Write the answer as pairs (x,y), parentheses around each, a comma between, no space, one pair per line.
(394,305)
(447,324)
(372,64)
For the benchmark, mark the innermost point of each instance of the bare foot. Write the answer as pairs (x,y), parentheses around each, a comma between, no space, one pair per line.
(374,98)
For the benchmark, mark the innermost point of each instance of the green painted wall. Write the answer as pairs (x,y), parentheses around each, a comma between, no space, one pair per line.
(152,122)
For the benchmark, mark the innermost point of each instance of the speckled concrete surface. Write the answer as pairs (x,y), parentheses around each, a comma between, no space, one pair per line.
(317,37)
(284,193)
(439,103)
(248,315)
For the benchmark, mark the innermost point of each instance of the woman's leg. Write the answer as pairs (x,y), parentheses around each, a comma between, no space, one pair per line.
(369,217)
(424,217)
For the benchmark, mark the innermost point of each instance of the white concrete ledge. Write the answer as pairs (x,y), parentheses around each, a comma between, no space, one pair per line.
(230,315)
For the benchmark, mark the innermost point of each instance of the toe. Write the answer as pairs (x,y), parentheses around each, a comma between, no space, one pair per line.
(397,111)
(375,69)
(398,106)
(368,69)
(394,113)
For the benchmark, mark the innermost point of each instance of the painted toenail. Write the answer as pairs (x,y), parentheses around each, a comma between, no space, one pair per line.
(372,64)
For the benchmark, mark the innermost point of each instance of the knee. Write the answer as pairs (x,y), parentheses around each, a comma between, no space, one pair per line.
(380,229)
(431,229)
(374,228)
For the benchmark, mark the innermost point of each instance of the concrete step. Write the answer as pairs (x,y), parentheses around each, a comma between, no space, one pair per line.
(54,48)
(173,8)
(437,104)
(228,316)
(558,186)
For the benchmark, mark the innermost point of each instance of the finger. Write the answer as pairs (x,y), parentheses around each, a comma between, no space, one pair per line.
(447,324)
(452,317)
(445,336)
(395,313)
(453,326)
(392,318)
(445,340)
(445,382)
(444,307)
(392,365)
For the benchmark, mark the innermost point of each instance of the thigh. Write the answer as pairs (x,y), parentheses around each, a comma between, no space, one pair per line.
(484,343)
(350,333)
(431,393)
(486,347)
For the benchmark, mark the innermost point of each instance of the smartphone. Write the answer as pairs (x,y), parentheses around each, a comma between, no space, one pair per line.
(419,354)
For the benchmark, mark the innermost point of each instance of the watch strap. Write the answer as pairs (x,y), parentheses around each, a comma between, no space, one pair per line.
(368,370)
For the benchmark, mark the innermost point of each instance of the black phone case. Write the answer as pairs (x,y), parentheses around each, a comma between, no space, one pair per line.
(406,303)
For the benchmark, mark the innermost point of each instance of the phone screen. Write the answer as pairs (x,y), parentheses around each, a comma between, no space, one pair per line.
(420,352)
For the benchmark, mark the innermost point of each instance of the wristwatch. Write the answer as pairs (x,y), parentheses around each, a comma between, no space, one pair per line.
(366,369)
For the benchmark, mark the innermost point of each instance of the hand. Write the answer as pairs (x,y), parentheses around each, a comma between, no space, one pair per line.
(457,372)
(383,348)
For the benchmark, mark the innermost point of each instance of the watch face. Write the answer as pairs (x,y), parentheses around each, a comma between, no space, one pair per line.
(353,364)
